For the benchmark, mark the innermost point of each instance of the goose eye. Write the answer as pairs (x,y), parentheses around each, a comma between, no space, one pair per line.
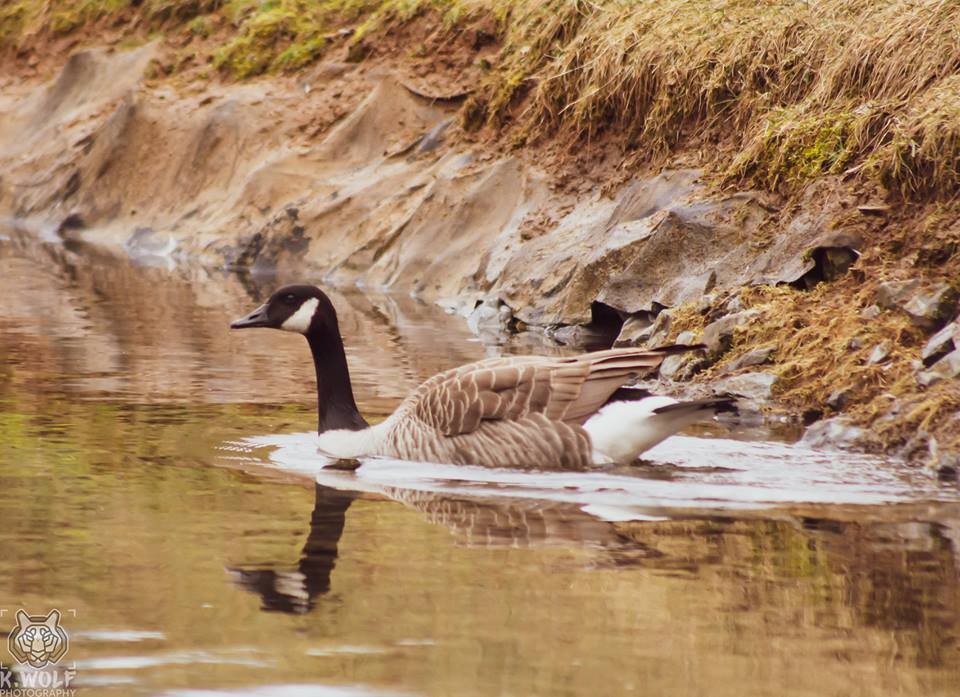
(289,298)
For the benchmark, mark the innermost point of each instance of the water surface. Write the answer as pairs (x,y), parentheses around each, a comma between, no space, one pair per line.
(159,487)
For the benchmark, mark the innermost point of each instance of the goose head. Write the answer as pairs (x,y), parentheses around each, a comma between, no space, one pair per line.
(296,308)
(307,310)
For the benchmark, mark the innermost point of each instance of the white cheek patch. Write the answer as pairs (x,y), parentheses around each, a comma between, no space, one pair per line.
(300,320)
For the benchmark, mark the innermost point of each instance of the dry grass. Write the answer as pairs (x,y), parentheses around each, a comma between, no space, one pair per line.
(797,89)
(773,92)
(824,345)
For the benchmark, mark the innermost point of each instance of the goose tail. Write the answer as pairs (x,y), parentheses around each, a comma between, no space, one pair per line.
(622,430)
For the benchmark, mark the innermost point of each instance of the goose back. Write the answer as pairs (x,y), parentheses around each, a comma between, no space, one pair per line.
(513,411)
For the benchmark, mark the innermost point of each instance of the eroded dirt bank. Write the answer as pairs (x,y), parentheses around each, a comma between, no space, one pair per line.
(837,298)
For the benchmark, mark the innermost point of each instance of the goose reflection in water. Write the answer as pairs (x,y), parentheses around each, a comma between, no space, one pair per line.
(473,522)
(294,590)
(898,575)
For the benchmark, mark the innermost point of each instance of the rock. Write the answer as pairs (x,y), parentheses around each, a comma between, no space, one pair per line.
(921,448)
(930,308)
(674,367)
(434,138)
(927,307)
(706,302)
(880,353)
(756,387)
(74,221)
(893,295)
(709,281)
(838,399)
(490,315)
(941,343)
(947,473)
(869,313)
(947,465)
(659,330)
(834,433)
(635,330)
(684,365)
(656,242)
(734,304)
(947,368)
(671,366)
(579,335)
(718,336)
(757,356)
(833,262)
(829,259)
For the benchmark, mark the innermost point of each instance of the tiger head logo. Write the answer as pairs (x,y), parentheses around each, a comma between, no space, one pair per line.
(38,640)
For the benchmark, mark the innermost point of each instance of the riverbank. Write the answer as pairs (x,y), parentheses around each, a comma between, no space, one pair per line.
(779,181)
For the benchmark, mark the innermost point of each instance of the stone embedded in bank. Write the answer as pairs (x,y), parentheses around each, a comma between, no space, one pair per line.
(837,433)
(753,357)
(838,399)
(660,329)
(880,353)
(756,387)
(927,306)
(683,366)
(941,343)
(718,336)
(947,368)
(635,330)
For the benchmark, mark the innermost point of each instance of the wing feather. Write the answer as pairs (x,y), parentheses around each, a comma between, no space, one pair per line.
(570,389)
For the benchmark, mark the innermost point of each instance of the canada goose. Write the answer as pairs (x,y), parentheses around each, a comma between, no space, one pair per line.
(511,411)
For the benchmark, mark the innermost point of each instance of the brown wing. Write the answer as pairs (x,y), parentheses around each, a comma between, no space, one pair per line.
(561,389)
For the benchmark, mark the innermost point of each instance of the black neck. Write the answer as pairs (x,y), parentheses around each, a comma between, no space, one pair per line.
(336,407)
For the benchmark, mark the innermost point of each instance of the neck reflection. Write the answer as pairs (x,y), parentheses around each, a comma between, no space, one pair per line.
(295,590)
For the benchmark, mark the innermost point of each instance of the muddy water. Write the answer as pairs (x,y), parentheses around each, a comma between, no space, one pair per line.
(194,551)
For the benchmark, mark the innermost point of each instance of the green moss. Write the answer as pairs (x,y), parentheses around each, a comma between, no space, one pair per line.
(299,54)
(180,9)
(508,88)
(13,18)
(279,34)
(199,26)
(75,14)
(793,149)
(473,114)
